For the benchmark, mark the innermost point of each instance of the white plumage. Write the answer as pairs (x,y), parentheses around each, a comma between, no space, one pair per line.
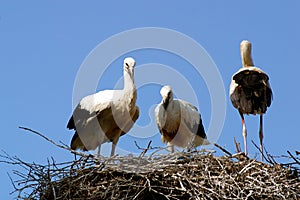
(179,122)
(250,91)
(106,115)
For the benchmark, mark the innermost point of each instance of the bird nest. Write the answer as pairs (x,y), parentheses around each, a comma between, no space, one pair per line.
(180,175)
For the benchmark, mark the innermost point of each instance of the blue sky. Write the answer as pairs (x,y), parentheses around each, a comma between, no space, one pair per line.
(43,45)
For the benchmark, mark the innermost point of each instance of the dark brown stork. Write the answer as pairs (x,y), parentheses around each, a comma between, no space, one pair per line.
(250,91)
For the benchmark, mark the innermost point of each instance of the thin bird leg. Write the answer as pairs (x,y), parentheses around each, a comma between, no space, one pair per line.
(113,149)
(244,133)
(114,144)
(99,148)
(261,136)
(171,147)
(191,144)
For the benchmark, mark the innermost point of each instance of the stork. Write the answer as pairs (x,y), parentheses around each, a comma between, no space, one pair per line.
(106,115)
(250,92)
(179,122)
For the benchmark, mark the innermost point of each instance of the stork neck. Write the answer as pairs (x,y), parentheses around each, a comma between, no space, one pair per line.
(246,57)
(128,82)
(168,103)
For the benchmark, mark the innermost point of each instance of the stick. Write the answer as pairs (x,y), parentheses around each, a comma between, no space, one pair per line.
(237,146)
(58,145)
(264,157)
(145,150)
(224,150)
(297,161)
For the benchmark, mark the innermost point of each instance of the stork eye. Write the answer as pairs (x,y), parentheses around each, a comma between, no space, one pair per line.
(127,64)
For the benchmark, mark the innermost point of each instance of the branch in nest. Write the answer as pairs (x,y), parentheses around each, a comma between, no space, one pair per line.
(223,149)
(293,157)
(237,146)
(58,145)
(269,158)
(145,150)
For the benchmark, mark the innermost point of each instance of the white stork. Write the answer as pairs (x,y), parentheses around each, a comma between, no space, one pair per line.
(106,115)
(179,122)
(250,91)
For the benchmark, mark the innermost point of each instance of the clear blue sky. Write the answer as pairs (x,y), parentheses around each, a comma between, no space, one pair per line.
(42,46)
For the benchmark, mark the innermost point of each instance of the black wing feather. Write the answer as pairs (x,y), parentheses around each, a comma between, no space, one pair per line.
(71,124)
(198,128)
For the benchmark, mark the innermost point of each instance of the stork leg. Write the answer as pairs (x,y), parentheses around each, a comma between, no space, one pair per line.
(114,144)
(171,147)
(113,148)
(244,133)
(99,148)
(191,144)
(261,136)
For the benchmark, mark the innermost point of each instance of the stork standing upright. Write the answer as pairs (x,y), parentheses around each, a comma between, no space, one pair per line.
(106,115)
(250,91)
(179,122)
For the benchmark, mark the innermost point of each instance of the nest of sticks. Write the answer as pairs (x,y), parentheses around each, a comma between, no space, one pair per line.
(181,175)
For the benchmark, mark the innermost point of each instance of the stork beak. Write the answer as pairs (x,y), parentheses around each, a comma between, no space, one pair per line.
(166,101)
(131,71)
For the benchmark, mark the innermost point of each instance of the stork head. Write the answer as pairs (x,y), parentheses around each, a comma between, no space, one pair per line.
(167,95)
(245,48)
(129,64)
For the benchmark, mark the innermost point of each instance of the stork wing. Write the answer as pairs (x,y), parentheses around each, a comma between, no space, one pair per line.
(250,77)
(269,94)
(188,106)
(132,121)
(71,124)
(158,117)
(192,118)
(89,108)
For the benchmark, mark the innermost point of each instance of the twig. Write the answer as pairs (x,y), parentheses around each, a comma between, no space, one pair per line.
(295,159)
(224,150)
(262,153)
(58,145)
(237,146)
(49,140)
(12,182)
(145,150)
